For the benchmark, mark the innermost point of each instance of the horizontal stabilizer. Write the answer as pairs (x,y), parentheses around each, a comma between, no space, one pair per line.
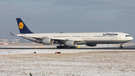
(10,34)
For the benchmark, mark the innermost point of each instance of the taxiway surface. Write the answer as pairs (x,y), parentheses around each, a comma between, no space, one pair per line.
(26,50)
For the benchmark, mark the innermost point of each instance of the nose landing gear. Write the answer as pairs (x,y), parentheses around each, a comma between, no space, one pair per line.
(121,47)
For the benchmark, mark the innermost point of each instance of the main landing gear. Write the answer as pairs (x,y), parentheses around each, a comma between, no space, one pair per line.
(121,47)
(65,47)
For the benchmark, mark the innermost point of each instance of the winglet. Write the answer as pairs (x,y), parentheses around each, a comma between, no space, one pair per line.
(22,27)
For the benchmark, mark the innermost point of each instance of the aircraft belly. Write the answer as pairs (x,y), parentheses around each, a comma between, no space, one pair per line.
(106,41)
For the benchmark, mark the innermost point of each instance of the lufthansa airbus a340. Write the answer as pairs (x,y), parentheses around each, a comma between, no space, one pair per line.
(70,40)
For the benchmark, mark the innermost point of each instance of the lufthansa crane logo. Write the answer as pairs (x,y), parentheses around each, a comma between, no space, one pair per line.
(21,25)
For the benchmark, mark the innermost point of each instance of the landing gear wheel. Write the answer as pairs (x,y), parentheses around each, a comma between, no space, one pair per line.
(62,47)
(72,47)
(65,47)
(121,47)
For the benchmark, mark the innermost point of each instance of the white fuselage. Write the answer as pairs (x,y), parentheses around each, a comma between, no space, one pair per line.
(82,38)
(70,40)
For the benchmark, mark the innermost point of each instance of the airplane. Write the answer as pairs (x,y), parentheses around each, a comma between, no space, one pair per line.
(70,40)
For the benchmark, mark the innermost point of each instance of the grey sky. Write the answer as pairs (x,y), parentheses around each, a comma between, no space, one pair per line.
(43,16)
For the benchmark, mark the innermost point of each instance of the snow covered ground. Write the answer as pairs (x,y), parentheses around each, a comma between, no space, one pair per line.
(71,62)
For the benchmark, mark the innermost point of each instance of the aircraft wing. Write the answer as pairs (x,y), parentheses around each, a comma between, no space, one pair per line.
(56,39)
(40,38)
(64,39)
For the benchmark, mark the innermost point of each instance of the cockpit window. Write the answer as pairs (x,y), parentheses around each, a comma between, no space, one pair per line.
(127,36)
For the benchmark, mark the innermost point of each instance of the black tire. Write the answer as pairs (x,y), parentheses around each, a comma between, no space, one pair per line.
(65,47)
(72,47)
(62,47)
(121,47)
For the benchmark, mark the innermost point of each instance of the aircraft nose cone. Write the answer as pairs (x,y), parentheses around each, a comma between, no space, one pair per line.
(132,38)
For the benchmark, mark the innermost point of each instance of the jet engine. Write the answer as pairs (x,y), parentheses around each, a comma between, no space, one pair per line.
(70,43)
(91,44)
(47,41)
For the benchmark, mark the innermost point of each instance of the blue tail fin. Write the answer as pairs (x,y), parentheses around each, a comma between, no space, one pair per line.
(22,27)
